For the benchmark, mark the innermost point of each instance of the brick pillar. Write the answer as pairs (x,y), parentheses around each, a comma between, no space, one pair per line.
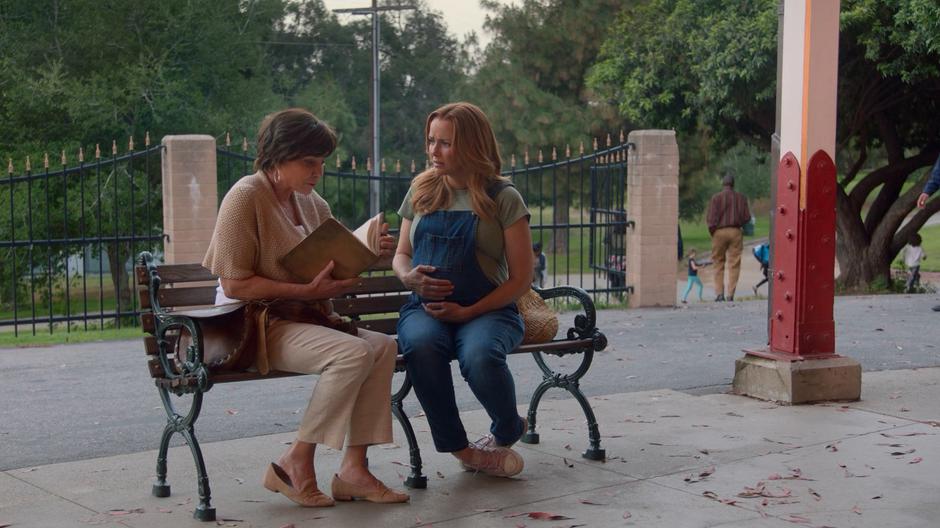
(653,204)
(190,203)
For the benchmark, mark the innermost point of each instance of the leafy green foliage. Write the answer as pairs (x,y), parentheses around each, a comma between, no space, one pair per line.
(707,67)
(530,80)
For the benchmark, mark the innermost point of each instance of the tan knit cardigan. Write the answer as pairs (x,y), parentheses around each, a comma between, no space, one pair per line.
(252,232)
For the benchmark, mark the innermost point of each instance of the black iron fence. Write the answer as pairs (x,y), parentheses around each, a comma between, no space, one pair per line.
(577,203)
(68,238)
(70,230)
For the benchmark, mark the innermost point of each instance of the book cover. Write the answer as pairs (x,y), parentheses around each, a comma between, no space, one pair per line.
(351,252)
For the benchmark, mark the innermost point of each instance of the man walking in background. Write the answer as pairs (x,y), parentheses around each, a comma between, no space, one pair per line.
(727,214)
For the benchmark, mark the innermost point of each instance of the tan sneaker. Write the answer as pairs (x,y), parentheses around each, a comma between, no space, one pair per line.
(490,440)
(495,461)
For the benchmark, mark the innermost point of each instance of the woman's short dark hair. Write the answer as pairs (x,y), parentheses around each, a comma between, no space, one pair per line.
(292,134)
(915,239)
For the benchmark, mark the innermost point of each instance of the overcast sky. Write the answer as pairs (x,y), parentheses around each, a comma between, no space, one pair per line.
(461,16)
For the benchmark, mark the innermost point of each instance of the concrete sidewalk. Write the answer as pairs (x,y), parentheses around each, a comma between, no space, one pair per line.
(673,460)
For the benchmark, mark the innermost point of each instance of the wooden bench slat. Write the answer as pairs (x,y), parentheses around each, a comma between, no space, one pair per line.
(569,345)
(173,273)
(385,326)
(369,305)
(177,297)
(389,284)
(150,344)
(148,323)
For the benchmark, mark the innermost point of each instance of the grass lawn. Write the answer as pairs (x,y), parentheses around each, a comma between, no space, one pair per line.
(61,337)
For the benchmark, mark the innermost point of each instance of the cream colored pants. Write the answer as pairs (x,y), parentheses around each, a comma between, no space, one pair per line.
(727,242)
(352,398)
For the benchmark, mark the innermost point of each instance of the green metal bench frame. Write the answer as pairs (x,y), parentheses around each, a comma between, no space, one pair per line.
(376,295)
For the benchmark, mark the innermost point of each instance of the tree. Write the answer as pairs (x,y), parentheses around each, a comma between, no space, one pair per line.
(531,83)
(710,64)
(81,72)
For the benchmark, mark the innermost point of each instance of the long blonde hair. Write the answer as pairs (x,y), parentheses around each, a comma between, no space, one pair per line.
(476,149)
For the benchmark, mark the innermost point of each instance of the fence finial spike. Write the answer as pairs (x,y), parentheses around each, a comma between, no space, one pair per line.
(554,154)
(228,139)
(512,161)
(427,163)
(397,165)
(368,164)
(414,167)
(114,147)
(28,166)
(608,139)
(581,148)
(147,139)
(338,164)
(382,166)
(622,137)
(45,160)
(97,151)
(595,144)
(81,155)
(244,144)
(130,144)
(10,166)
(526,158)
(540,156)
(567,150)
(352,163)
(63,157)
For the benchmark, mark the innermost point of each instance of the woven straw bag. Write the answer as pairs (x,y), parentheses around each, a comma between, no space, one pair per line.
(541,323)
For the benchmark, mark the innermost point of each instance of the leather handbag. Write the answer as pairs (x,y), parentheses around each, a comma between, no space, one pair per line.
(541,322)
(229,335)
(234,334)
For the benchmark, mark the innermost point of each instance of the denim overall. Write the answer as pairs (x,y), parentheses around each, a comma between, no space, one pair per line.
(447,240)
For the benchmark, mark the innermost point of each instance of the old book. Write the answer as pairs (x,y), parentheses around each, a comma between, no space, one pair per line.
(351,251)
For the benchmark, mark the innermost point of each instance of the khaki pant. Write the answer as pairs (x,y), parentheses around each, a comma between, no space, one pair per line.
(727,244)
(352,398)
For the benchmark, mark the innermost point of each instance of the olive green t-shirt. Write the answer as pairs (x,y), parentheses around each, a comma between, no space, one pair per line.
(490,242)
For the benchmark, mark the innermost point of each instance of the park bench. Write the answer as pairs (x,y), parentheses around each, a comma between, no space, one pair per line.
(167,290)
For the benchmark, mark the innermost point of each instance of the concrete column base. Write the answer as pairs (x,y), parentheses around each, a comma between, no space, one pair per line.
(811,380)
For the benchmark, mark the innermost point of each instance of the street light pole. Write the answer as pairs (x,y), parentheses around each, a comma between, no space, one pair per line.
(375,188)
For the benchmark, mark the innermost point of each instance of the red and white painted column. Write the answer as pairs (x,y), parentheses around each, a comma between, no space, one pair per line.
(800,363)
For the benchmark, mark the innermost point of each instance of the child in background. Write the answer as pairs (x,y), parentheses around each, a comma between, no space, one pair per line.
(693,277)
(762,254)
(913,254)
(540,265)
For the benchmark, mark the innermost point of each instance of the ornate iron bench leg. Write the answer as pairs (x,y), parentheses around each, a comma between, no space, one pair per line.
(185,426)
(204,511)
(594,452)
(530,436)
(569,382)
(160,487)
(415,480)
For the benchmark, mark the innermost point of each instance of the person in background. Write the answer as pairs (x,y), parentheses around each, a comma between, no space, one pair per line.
(727,214)
(540,265)
(762,254)
(913,254)
(693,277)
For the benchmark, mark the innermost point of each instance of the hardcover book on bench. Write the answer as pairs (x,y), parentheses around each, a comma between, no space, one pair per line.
(351,251)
